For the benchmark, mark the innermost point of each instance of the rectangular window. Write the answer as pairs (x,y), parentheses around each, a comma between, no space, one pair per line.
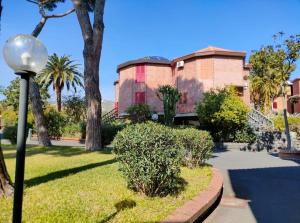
(140,74)
(183,98)
(140,97)
(240,91)
(274,105)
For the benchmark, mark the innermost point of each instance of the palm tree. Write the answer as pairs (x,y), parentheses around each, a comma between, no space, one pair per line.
(60,72)
(264,79)
(263,90)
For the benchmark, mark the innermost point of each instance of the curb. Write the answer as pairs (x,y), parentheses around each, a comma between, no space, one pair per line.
(198,206)
(289,154)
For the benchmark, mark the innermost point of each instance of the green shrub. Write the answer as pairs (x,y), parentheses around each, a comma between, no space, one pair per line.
(245,135)
(149,158)
(72,129)
(82,126)
(10,133)
(109,131)
(75,108)
(198,146)
(294,123)
(56,123)
(169,95)
(222,112)
(139,112)
(9,117)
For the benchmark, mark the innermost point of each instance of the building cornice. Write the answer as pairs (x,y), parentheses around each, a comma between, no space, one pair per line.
(208,52)
(142,61)
(211,53)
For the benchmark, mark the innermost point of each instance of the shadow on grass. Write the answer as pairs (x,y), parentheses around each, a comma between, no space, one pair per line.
(182,183)
(64,173)
(65,151)
(120,206)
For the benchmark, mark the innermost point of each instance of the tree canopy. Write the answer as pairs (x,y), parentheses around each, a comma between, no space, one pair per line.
(12,92)
(60,72)
(223,113)
(272,66)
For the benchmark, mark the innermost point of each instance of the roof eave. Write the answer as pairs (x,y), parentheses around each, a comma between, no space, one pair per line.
(141,61)
(211,53)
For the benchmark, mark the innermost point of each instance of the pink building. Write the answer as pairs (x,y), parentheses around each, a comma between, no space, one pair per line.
(293,89)
(192,74)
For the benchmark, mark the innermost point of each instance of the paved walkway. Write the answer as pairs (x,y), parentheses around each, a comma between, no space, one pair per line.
(258,187)
(54,142)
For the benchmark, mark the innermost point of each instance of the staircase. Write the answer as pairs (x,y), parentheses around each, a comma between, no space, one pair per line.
(110,116)
(259,122)
(263,128)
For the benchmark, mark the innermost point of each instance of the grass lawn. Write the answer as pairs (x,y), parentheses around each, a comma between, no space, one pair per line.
(67,184)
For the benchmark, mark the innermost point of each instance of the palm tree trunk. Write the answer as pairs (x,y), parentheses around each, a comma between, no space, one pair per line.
(6,186)
(58,98)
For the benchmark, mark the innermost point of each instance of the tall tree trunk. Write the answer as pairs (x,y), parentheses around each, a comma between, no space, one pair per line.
(6,186)
(93,97)
(92,37)
(37,110)
(36,100)
(58,98)
(285,118)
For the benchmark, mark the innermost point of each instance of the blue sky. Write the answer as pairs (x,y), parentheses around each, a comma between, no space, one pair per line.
(168,28)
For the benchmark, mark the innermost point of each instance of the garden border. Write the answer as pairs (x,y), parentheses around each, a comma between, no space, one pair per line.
(293,155)
(200,204)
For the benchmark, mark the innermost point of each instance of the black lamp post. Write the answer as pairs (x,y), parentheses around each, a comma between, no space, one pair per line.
(26,55)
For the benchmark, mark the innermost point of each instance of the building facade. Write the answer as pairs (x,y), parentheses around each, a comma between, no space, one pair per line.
(192,74)
(293,89)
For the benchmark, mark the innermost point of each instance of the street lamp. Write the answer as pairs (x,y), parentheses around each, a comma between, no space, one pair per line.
(27,56)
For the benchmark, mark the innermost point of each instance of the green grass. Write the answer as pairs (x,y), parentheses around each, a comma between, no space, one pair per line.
(67,184)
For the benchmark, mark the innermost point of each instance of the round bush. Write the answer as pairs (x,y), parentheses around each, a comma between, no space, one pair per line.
(149,158)
(197,145)
(56,123)
(10,133)
(139,112)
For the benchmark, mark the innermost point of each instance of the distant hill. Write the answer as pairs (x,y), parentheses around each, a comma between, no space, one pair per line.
(107,106)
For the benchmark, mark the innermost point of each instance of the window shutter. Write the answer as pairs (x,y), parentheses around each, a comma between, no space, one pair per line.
(140,74)
(140,97)
(183,98)
(274,105)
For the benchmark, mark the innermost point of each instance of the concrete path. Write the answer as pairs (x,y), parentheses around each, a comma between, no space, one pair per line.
(54,142)
(35,142)
(258,187)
